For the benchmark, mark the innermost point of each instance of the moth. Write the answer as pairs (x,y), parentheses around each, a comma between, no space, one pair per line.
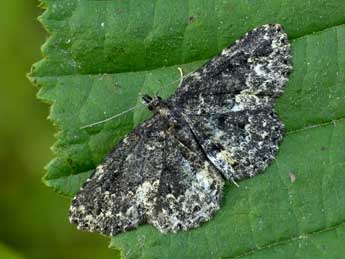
(218,126)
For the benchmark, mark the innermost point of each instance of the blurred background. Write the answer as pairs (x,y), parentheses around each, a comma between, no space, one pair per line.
(33,219)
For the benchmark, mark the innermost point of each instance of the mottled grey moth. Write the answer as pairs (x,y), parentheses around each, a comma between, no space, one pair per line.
(219,125)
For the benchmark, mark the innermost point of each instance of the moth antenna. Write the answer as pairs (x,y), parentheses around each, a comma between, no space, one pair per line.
(182,76)
(180,80)
(112,117)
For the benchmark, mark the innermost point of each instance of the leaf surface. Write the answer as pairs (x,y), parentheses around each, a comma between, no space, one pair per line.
(7,253)
(102,54)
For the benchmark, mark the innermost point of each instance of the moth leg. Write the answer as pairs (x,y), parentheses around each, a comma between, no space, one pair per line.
(234,182)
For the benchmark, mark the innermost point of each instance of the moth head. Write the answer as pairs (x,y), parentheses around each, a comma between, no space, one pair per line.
(147,99)
(153,104)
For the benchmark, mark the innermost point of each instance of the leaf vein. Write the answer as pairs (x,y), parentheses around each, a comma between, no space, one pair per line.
(286,241)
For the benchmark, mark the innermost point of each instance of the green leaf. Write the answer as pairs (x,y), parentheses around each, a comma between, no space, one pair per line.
(7,253)
(103,53)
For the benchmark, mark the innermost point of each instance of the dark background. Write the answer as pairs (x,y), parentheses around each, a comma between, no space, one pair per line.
(33,219)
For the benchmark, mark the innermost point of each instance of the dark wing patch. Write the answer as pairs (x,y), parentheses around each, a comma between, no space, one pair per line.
(152,176)
(228,102)
(239,144)
(190,187)
(257,64)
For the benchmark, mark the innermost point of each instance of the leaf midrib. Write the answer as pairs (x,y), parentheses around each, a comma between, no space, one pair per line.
(295,131)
